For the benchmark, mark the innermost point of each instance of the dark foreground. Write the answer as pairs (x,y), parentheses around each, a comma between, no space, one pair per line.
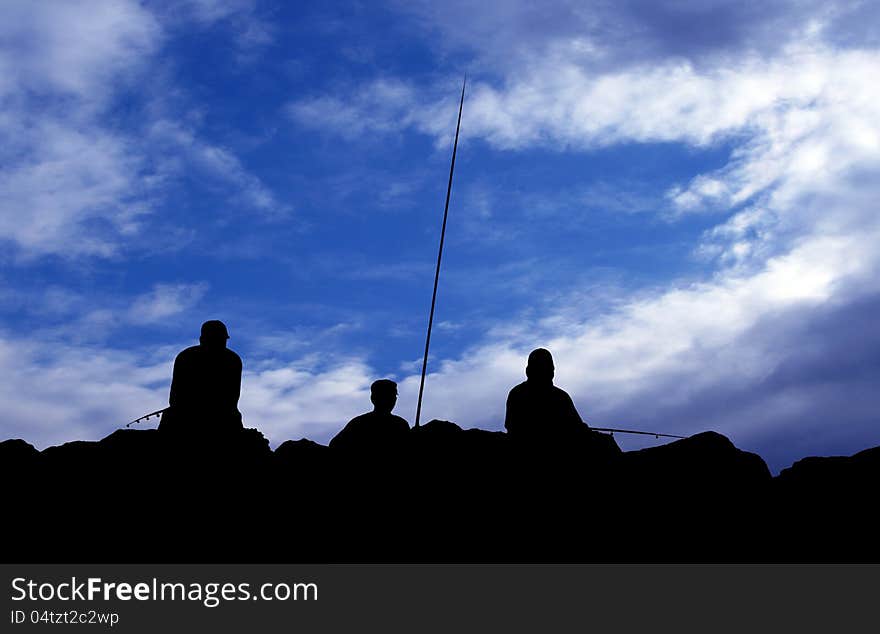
(445,494)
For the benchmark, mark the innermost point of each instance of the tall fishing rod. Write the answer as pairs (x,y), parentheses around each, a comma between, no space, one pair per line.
(439,256)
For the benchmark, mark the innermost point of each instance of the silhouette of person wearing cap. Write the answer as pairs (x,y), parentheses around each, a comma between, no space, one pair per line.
(379,429)
(538,410)
(205,386)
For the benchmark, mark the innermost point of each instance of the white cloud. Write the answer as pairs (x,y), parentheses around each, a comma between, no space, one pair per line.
(164,301)
(74,192)
(505,36)
(250,32)
(559,103)
(70,185)
(67,317)
(673,102)
(82,49)
(383,105)
(77,182)
(294,400)
(215,10)
(54,393)
(220,163)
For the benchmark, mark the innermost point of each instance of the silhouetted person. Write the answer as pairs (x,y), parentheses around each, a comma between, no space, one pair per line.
(205,386)
(537,409)
(377,429)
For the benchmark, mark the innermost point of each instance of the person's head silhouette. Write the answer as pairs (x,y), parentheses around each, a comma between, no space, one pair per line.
(383,394)
(214,334)
(540,366)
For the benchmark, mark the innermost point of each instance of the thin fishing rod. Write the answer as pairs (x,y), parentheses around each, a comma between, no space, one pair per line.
(632,431)
(158,412)
(439,256)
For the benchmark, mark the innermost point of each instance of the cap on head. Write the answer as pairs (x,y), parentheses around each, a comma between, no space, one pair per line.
(214,329)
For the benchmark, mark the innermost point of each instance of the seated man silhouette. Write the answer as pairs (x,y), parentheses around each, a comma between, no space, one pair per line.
(537,410)
(379,429)
(205,387)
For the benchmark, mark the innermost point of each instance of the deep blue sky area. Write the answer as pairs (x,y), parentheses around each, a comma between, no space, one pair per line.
(686,222)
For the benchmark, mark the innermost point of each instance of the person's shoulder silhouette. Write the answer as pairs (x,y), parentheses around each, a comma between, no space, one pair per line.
(205,384)
(377,429)
(537,409)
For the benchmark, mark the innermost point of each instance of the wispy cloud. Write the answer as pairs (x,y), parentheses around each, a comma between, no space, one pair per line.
(215,10)
(508,35)
(69,317)
(55,393)
(251,32)
(164,301)
(297,400)
(74,192)
(382,105)
(75,181)
(195,154)
(83,49)
(70,185)
(560,104)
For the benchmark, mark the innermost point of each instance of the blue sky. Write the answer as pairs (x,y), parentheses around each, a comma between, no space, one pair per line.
(678,199)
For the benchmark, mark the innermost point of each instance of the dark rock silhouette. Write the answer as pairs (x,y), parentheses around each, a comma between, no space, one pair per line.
(302,451)
(444,494)
(833,473)
(705,459)
(825,503)
(17,455)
